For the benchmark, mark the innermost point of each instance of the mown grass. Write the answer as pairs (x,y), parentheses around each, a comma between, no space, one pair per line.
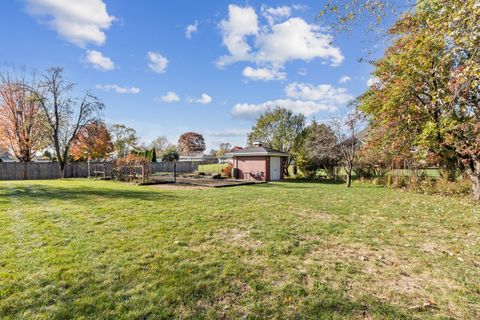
(104,250)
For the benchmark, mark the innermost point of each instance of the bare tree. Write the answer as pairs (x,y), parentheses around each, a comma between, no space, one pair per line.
(223,148)
(347,142)
(65,116)
(160,144)
(21,128)
(319,150)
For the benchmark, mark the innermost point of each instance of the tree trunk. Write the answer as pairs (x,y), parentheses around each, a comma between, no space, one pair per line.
(285,167)
(475,187)
(349,179)
(472,169)
(61,165)
(60,160)
(348,170)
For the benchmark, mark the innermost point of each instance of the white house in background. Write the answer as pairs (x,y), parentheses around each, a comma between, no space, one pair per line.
(226,158)
(6,157)
(197,157)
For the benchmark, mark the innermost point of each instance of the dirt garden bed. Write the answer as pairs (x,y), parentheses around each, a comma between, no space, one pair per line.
(195,180)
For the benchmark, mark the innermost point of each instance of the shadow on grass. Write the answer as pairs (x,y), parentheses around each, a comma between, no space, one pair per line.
(41,192)
(305,183)
(316,181)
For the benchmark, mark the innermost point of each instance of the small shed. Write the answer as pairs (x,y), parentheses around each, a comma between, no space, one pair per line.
(258,163)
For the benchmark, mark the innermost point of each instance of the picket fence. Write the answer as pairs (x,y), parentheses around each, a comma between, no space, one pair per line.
(47,170)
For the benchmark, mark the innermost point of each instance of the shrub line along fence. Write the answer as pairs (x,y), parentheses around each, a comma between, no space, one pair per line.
(48,170)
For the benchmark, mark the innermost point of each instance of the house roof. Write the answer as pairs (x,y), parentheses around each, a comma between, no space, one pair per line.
(258,151)
(5,156)
(196,157)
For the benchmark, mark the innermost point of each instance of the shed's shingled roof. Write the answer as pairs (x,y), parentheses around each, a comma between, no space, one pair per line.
(258,151)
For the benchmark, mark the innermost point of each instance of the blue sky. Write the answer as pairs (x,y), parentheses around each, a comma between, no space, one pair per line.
(236,59)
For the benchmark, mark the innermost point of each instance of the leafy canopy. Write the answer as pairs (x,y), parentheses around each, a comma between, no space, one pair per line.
(279,129)
(93,142)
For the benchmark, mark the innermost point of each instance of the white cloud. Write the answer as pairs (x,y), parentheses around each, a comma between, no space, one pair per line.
(204,99)
(158,63)
(296,39)
(300,98)
(241,22)
(299,7)
(173,97)
(118,89)
(274,14)
(252,111)
(265,74)
(344,79)
(323,93)
(191,29)
(80,22)
(170,97)
(374,82)
(276,43)
(99,61)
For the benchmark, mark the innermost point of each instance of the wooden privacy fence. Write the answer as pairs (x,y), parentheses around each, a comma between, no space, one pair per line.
(40,170)
(47,170)
(182,166)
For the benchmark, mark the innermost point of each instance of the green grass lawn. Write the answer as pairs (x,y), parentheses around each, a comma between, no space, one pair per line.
(104,250)
(212,168)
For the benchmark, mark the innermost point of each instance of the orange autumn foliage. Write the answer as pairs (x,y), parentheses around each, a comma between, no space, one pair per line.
(93,141)
(21,129)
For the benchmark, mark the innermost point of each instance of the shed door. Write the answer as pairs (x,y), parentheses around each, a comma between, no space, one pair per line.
(275,168)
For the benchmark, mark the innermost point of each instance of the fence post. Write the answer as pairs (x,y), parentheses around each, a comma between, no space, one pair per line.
(175,172)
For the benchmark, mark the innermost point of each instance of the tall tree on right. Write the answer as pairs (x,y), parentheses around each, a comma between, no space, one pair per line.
(428,83)
(429,86)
